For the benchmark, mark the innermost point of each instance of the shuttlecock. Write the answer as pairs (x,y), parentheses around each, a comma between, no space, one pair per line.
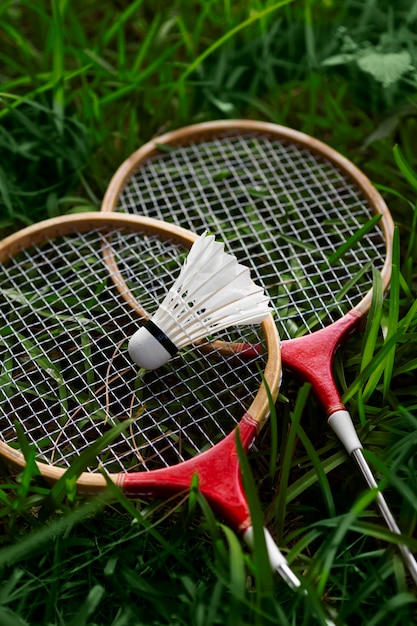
(212,292)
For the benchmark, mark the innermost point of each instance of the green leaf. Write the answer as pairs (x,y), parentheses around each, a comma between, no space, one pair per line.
(385,67)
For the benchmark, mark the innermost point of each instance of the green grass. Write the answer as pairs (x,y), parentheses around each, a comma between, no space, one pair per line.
(83,84)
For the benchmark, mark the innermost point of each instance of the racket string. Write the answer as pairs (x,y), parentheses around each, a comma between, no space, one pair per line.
(66,375)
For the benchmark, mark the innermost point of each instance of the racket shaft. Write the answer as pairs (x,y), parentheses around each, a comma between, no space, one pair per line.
(408,557)
(342,425)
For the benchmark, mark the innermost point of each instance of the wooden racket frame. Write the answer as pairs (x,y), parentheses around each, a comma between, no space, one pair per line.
(223,456)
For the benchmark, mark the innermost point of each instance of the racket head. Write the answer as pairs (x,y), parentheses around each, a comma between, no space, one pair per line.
(66,375)
(260,184)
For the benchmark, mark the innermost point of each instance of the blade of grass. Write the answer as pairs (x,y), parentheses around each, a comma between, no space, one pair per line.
(405,413)
(46,82)
(394,311)
(10,618)
(280,505)
(237,568)
(140,518)
(121,20)
(151,33)
(80,463)
(89,606)
(122,92)
(309,34)
(319,470)
(392,606)
(369,370)
(324,560)
(43,538)
(260,554)
(405,167)
(372,328)
(5,193)
(58,69)
(256,16)
(308,479)
(362,595)
(19,40)
(400,486)
(351,241)
(273,422)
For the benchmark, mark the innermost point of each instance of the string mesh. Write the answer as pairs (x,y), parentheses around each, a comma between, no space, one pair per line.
(282,209)
(65,373)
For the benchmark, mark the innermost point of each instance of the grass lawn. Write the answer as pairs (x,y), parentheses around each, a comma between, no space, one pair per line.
(85,83)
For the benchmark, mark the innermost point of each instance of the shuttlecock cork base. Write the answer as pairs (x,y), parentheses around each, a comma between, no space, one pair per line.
(150,347)
(212,292)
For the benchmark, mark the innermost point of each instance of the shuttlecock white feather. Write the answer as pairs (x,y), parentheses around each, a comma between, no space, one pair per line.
(212,292)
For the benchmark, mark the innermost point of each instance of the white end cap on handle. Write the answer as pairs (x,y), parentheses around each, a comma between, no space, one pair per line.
(341,424)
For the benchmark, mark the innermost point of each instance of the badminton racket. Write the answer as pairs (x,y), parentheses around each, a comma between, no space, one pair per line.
(308,223)
(67,379)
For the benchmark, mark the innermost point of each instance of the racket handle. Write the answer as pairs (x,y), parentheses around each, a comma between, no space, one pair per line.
(278,561)
(408,557)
